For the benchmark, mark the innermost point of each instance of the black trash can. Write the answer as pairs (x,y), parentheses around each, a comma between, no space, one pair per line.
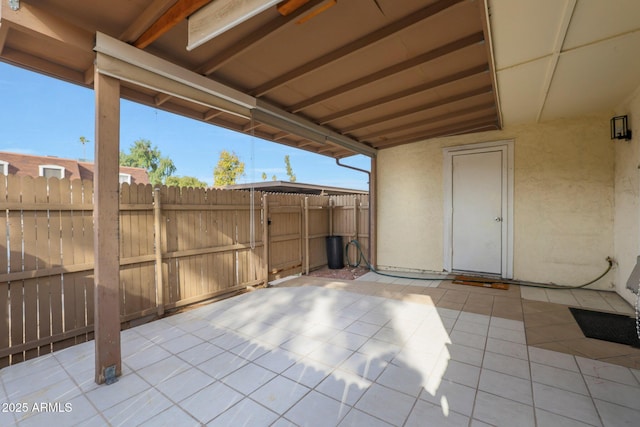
(335,257)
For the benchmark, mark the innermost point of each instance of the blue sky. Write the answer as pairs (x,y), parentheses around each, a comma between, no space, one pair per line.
(44,116)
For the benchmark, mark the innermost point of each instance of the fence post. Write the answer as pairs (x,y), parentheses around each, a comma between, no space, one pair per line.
(265,237)
(157,227)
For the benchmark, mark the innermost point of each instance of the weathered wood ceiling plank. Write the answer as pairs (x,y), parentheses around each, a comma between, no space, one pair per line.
(355,46)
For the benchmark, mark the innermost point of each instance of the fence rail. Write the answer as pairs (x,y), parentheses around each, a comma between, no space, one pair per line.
(178,246)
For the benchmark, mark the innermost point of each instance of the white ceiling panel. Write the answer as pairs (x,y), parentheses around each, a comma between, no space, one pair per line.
(594,78)
(595,20)
(523,30)
(521,91)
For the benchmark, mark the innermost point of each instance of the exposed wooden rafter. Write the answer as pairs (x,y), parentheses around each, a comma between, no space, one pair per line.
(484,123)
(389,71)
(4,30)
(355,46)
(376,103)
(252,39)
(174,15)
(150,15)
(441,102)
(431,120)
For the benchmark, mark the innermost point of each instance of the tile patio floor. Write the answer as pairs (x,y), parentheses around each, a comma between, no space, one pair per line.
(360,353)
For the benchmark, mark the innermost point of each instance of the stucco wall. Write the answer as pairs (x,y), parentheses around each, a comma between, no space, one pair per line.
(627,195)
(563,201)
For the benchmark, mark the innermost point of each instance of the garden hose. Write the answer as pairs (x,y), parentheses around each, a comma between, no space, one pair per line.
(361,257)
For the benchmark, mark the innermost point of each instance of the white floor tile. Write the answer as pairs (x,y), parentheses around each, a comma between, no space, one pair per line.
(245,413)
(356,417)
(565,403)
(210,402)
(498,411)
(348,340)
(599,369)
(184,385)
(456,397)
(248,378)
(301,345)
(106,396)
(507,348)
(330,354)
(69,412)
(553,358)
(174,416)
(222,365)
(470,327)
(308,372)
(252,350)
(279,394)
(561,296)
(326,411)
(145,357)
(137,409)
(508,335)
(548,419)
(365,366)
(609,391)
(163,370)
(386,404)
(468,339)
(615,415)
(182,343)
(499,322)
(436,415)
(402,378)
(343,386)
(558,378)
(277,360)
(462,373)
(506,386)
(363,328)
(469,355)
(200,353)
(507,365)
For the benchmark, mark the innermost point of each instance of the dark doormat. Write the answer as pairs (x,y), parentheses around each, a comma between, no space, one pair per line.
(606,326)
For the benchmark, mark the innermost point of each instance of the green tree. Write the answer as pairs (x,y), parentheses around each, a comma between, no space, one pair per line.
(264,176)
(228,169)
(83,141)
(274,178)
(290,174)
(185,181)
(142,155)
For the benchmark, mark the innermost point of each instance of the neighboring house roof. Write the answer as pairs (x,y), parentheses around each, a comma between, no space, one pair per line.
(29,165)
(294,187)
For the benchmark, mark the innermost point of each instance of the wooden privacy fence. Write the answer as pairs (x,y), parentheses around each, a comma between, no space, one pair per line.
(211,242)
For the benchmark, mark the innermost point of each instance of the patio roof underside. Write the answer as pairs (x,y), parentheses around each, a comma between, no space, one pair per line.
(381,73)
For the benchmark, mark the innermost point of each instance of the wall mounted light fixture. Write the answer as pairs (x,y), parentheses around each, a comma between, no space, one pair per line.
(620,128)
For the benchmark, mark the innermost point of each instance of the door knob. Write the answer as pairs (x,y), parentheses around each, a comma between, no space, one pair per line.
(497,219)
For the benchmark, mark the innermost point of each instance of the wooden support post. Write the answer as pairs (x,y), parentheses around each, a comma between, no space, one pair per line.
(106,230)
(373,214)
(157,228)
(265,238)
(356,213)
(330,217)
(306,235)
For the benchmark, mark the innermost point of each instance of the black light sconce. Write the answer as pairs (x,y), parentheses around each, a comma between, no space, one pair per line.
(620,128)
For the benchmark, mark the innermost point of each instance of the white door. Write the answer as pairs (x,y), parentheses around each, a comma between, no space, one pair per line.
(477,211)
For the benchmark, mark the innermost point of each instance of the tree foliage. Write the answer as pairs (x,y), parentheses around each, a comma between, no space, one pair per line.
(185,181)
(264,176)
(228,169)
(290,174)
(142,155)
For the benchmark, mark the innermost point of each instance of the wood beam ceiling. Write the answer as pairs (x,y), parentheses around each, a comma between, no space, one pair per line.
(486,123)
(431,120)
(145,19)
(389,71)
(434,84)
(439,103)
(355,46)
(254,38)
(173,16)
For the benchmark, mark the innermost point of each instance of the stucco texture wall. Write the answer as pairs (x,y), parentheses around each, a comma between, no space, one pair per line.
(627,199)
(563,201)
